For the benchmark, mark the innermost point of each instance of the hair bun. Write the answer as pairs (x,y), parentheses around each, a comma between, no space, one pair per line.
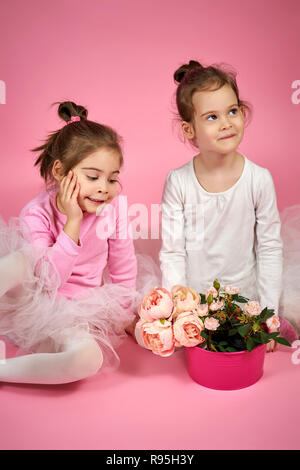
(181,72)
(67,109)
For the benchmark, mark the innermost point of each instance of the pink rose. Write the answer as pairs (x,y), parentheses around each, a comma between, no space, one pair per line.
(187,329)
(211,323)
(158,336)
(156,304)
(214,306)
(252,308)
(231,290)
(211,291)
(201,310)
(185,299)
(273,323)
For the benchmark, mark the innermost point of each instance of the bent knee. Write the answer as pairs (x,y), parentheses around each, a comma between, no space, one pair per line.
(87,360)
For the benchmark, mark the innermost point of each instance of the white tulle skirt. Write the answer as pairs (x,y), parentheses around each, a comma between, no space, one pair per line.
(34,312)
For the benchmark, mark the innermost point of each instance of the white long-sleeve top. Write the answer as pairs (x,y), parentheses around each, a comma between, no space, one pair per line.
(232,236)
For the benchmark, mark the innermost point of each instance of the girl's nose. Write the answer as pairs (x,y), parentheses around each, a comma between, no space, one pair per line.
(225,123)
(103,187)
(102,190)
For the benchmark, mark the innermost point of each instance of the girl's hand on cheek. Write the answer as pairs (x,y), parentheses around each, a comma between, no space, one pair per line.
(68,196)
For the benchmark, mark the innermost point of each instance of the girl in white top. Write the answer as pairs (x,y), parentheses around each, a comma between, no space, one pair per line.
(219,210)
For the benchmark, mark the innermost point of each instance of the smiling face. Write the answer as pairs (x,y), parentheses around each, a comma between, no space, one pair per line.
(218,124)
(98,178)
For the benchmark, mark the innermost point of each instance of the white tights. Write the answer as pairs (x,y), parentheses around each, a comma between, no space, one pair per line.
(76,359)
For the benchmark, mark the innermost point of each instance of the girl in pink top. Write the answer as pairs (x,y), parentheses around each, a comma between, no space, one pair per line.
(53,257)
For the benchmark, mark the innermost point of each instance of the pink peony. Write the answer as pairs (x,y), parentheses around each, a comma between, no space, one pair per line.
(158,336)
(211,291)
(214,306)
(156,304)
(252,308)
(185,299)
(231,290)
(187,329)
(273,323)
(211,323)
(201,310)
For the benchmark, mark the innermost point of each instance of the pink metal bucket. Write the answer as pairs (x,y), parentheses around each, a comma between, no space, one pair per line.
(225,371)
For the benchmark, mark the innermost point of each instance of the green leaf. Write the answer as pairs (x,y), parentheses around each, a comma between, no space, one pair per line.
(264,337)
(273,335)
(250,344)
(281,340)
(265,314)
(240,299)
(257,338)
(232,332)
(204,334)
(264,310)
(243,330)
(223,343)
(231,349)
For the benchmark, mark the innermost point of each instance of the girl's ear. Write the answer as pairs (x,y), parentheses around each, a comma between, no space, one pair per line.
(58,171)
(243,111)
(188,130)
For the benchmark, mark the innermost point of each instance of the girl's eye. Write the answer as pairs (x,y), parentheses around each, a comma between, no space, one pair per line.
(93,178)
(213,117)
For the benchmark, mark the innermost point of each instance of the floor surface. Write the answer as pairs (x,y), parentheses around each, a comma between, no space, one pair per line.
(151,403)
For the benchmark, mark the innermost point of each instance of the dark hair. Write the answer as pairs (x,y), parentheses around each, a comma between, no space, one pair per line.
(194,77)
(75,141)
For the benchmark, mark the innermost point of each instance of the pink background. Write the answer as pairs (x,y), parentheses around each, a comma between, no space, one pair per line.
(117,57)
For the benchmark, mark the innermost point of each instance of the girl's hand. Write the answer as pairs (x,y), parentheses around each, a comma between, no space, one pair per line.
(272,346)
(68,194)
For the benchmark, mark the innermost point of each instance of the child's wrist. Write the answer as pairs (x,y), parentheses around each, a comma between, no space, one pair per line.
(74,220)
(72,229)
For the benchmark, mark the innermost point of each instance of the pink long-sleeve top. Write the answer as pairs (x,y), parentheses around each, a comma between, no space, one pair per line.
(103,240)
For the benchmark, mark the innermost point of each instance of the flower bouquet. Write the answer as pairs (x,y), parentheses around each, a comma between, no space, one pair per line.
(213,320)
(221,322)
